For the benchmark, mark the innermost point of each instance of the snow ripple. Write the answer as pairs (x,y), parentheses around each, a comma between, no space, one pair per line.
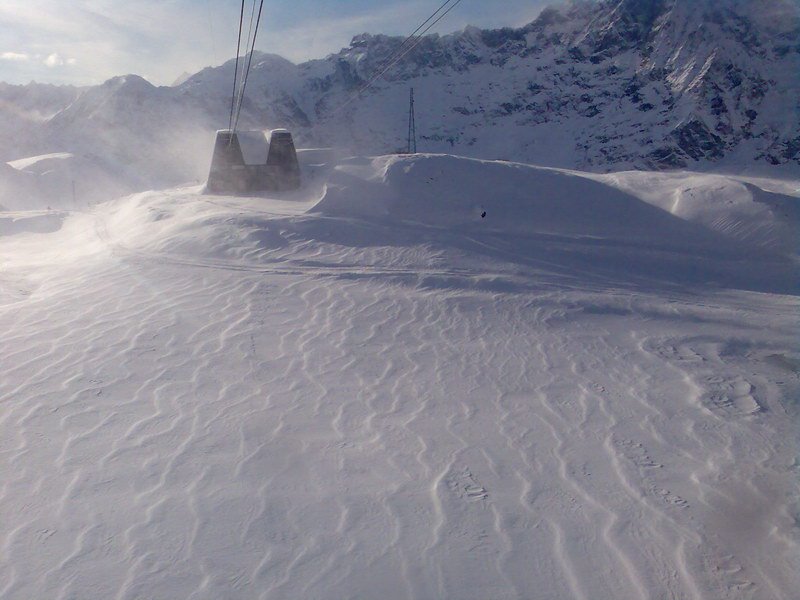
(312,422)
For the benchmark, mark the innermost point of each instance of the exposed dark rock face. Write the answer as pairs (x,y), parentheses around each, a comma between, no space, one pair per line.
(696,141)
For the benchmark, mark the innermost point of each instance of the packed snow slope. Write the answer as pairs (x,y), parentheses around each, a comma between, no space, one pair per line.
(416,377)
(598,86)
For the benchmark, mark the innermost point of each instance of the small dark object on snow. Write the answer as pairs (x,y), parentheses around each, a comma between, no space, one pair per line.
(230,174)
(483,215)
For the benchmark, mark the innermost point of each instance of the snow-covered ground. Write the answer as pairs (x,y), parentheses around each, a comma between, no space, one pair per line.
(416,377)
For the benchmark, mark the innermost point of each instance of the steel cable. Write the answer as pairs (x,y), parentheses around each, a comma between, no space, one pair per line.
(236,69)
(249,63)
(398,57)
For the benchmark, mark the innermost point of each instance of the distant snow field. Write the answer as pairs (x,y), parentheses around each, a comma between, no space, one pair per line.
(416,377)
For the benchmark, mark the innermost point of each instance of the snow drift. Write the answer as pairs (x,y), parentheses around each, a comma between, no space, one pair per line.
(419,377)
(612,230)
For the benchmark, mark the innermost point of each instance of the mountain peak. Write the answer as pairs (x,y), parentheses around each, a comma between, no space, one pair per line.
(633,83)
(183,77)
(130,81)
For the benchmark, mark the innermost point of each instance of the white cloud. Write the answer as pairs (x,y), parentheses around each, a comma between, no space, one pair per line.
(54,60)
(113,37)
(14,56)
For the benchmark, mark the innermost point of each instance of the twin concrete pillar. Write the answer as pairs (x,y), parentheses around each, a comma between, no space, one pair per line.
(230,174)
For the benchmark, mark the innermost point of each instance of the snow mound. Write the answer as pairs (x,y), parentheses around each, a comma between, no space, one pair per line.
(59,181)
(414,195)
(666,210)
(39,164)
(414,214)
(741,210)
(29,221)
(187,223)
(456,192)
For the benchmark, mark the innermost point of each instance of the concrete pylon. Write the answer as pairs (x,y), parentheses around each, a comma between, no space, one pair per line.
(230,174)
(282,160)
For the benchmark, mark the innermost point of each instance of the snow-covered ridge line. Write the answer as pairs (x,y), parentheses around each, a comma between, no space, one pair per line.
(604,86)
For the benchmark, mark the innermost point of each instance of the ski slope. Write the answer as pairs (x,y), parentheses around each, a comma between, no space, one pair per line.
(416,377)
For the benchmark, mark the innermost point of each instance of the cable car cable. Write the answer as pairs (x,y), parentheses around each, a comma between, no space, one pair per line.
(236,69)
(247,70)
(413,33)
(242,72)
(420,39)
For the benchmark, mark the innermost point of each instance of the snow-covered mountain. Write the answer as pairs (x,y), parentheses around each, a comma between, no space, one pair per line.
(24,109)
(631,83)
(593,85)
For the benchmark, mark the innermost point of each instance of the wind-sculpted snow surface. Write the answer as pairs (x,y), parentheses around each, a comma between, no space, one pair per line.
(416,377)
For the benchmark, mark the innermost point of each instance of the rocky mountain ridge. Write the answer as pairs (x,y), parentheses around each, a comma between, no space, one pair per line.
(609,85)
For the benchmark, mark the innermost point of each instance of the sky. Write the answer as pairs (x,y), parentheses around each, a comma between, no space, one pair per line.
(85,42)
